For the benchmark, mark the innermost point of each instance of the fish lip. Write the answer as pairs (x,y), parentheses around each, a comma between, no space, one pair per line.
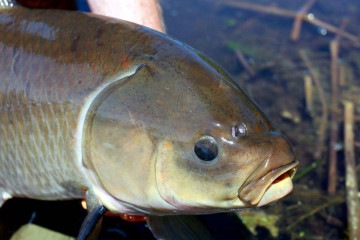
(255,187)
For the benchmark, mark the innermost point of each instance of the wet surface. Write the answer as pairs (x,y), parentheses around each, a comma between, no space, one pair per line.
(276,82)
(277,85)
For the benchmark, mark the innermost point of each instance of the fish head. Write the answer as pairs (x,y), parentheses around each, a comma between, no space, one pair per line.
(230,156)
(178,135)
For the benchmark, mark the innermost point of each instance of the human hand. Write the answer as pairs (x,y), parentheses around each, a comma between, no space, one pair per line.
(143,12)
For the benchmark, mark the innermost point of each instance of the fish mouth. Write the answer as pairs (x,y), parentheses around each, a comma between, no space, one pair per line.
(259,190)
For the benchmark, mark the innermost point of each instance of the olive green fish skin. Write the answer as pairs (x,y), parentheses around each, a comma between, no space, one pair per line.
(92,103)
(47,71)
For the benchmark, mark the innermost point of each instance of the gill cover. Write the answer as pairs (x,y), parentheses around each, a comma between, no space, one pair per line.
(117,147)
(141,132)
(179,141)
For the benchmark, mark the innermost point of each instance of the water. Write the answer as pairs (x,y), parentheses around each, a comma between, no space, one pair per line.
(276,82)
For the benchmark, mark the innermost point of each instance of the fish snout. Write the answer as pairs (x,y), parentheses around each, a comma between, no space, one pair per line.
(271,180)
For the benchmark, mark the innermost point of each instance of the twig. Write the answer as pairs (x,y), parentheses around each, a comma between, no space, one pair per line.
(291,14)
(306,170)
(299,18)
(332,177)
(333,201)
(332,220)
(313,194)
(341,31)
(352,200)
(334,118)
(324,108)
(244,63)
(342,74)
(333,29)
(261,8)
(308,88)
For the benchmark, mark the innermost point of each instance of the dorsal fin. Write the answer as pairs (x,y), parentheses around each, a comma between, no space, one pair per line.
(8,4)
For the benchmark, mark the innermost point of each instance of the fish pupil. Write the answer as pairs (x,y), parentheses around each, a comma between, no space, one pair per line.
(206,148)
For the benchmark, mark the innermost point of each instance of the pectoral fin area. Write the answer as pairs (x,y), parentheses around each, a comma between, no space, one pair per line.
(90,221)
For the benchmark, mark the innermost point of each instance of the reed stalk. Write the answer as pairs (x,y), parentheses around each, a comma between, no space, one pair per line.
(352,199)
(244,63)
(334,122)
(291,14)
(308,88)
(324,107)
(295,33)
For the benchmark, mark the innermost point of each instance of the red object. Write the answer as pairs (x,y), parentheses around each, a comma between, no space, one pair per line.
(127,217)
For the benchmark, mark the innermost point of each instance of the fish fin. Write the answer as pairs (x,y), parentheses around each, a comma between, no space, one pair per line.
(178,227)
(95,211)
(93,216)
(4,4)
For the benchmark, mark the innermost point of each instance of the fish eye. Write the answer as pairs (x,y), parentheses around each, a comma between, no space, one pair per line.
(206,148)
(239,130)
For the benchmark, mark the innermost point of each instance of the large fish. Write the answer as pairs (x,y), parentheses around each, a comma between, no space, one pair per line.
(130,119)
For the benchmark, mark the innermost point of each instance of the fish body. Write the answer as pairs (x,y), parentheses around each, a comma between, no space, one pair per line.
(97,108)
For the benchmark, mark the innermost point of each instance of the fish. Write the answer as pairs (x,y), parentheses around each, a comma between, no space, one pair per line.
(129,119)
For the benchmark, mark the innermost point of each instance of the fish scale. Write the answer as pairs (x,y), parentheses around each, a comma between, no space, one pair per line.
(34,144)
(130,119)
(42,142)
(27,147)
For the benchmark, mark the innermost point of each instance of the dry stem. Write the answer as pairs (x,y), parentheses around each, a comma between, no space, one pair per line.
(324,108)
(334,121)
(292,14)
(295,33)
(333,201)
(332,177)
(244,63)
(308,94)
(261,8)
(352,200)
(342,75)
